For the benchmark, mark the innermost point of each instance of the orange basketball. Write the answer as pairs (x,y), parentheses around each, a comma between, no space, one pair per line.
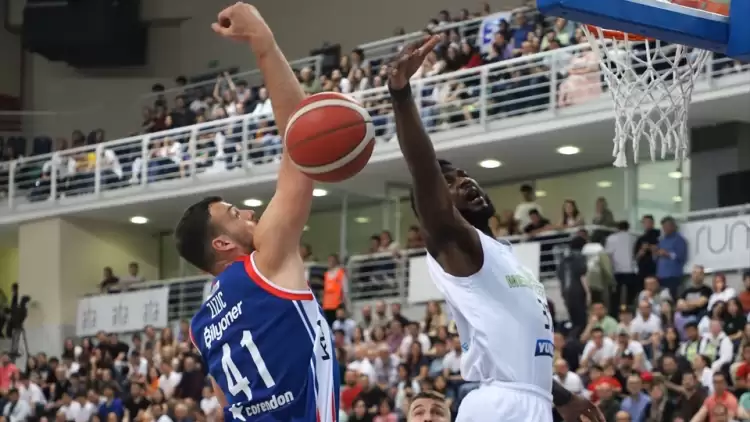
(330,137)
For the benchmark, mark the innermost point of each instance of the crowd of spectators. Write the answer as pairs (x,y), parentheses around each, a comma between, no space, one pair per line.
(520,89)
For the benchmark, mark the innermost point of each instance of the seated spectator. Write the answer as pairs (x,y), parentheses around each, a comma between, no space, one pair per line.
(583,83)
(720,292)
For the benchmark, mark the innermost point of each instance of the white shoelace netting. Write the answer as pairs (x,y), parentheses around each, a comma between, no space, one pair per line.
(651,84)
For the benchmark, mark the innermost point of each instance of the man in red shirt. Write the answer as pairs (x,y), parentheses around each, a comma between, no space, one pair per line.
(598,377)
(721,397)
(350,391)
(743,368)
(7,370)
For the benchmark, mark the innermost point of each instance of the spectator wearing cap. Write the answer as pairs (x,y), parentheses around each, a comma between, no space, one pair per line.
(637,401)
(671,255)
(16,410)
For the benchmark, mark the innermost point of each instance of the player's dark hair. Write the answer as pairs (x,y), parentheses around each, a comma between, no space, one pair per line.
(430,394)
(194,232)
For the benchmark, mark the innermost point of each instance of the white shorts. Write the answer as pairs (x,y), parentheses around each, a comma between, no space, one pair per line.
(491,402)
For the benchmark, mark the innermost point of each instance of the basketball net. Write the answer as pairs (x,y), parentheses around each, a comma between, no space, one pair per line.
(651,84)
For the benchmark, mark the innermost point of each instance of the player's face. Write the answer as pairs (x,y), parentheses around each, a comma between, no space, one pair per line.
(468,197)
(234,228)
(428,410)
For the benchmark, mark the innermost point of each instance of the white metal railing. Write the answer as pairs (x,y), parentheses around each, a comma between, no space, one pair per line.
(251,77)
(236,146)
(385,275)
(383,50)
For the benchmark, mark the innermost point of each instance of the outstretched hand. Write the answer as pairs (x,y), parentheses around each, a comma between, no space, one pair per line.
(242,22)
(409,60)
(580,410)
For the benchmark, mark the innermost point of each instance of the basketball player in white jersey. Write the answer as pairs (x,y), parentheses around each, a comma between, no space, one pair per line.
(500,308)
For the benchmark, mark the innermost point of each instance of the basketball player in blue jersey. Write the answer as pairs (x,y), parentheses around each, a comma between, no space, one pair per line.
(500,308)
(262,335)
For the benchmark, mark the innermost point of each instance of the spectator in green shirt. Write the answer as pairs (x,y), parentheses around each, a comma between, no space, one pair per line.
(599,319)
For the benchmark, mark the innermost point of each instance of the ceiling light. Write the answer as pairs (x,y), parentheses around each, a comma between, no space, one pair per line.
(362,220)
(252,202)
(568,150)
(320,192)
(138,220)
(490,164)
(541,193)
(675,175)
(676,199)
(646,186)
(604,184)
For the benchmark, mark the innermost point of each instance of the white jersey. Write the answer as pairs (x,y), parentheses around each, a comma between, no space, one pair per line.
(503,321)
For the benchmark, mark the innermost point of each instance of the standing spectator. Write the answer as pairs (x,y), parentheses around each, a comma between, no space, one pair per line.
(619,246)
(643,246)
(133,275)
(334,286)
(671,255)
(575,290)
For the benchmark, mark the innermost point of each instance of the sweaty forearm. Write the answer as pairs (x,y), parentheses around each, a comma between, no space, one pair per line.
(560,395)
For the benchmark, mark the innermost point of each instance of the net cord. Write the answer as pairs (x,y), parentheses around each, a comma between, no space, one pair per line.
(649,102)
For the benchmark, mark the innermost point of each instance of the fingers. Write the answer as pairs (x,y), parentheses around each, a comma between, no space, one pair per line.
(219,29)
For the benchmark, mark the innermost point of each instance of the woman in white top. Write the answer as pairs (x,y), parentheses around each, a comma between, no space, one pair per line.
(722,293)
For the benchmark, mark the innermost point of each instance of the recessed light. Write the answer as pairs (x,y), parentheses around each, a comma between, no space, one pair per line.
(138,220)
(604,184)
(320,192)
(541,193)
(362,220)
(568,150)
(252,202)
(490,164)
(676,199)
(675,175)
(646,186)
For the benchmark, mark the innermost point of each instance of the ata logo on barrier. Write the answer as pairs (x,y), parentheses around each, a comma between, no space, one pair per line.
(151,312)
(718,244)
(120,315)
(88,318)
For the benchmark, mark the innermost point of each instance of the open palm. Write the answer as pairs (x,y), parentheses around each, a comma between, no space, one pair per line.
(409,60)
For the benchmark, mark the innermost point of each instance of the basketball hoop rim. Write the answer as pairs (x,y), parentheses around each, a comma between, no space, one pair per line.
(612,34)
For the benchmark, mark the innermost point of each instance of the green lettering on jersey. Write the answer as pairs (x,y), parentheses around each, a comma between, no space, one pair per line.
(524,280)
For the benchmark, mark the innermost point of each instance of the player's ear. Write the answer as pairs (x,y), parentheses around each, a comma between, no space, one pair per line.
(223,243)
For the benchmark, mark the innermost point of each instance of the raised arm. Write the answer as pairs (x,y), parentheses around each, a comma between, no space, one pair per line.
(279,230)
(449,238)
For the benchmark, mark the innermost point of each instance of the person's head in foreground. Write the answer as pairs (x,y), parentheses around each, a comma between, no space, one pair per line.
(468,197)
(429,406)
(213,233)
